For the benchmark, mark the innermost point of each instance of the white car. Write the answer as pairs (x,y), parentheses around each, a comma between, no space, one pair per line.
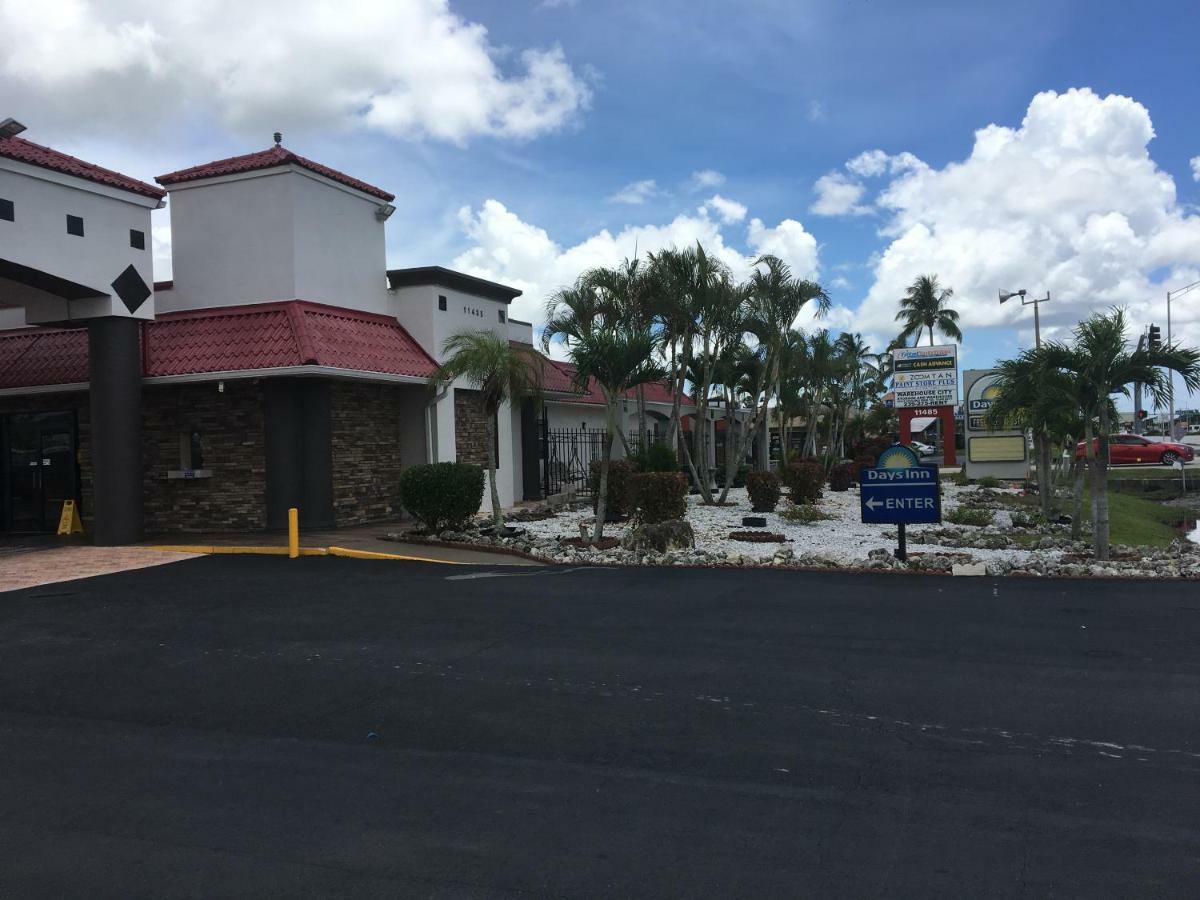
(921,449)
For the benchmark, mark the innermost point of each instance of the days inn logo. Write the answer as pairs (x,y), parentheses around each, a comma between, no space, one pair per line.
(897,457)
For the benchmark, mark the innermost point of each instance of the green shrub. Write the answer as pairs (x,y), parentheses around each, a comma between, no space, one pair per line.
(658,496)
(967,515)
(988,481)
(442,495)
(804,481)
(842,476)
(804,513)
(656,458)
(763,488)
(619,472)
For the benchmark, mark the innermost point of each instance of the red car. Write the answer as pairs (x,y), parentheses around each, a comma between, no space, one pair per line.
(1130,449)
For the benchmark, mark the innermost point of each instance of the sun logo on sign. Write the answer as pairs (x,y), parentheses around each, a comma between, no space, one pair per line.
(896,458)
(991,392)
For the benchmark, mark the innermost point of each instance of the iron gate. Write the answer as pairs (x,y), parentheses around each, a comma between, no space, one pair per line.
(567,456)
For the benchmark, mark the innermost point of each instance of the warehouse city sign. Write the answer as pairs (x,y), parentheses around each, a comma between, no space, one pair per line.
(925,376)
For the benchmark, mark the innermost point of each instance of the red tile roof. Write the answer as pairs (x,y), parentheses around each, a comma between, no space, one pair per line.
(656,392)
(45,158)
(554,379)
(268,159)
(34,356)
(229,339)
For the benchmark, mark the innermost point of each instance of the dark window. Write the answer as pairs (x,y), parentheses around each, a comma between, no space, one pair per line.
(501,315)
(441,303)
(137,239)
(75,226)
(6,210)
(191,449)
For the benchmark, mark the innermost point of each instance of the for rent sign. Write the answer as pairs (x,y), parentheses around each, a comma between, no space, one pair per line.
(925,376)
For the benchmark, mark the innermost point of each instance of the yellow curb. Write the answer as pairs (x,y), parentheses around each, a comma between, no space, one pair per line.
(304,551)
(371,554)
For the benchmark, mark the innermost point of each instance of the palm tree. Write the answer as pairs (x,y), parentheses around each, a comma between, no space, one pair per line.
(775,299)
(502,373)
(926,305)
(618,357)
(1033,394)
(1102,362)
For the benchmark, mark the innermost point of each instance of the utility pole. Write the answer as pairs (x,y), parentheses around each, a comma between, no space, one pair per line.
(1178,292)
(1035,302)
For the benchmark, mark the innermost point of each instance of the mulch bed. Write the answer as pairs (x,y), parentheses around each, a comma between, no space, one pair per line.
(605,543)
(758,537)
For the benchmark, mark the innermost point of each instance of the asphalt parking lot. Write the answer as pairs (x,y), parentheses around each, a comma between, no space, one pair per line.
(236,726)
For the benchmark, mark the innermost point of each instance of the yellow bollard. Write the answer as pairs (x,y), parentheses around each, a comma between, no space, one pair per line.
(293,533)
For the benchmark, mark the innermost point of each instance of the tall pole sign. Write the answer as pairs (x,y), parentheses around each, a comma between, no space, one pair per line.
(926,379)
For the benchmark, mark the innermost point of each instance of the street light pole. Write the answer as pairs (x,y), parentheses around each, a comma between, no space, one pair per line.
(1178,292)
(1035,301)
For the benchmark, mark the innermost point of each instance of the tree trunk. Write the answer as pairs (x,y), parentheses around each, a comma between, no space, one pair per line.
(497,517)
(602,500)
(1044,475)
(1100,487)
(930,335)
(643,440)
(1090,459)
(1077,506)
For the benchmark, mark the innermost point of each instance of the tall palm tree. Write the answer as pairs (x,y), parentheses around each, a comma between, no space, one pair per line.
(618,357)
(1102,361)
(775,299)
(502,373)
(926,304)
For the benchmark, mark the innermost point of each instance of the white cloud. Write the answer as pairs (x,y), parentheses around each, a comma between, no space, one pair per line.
(840,282)
(509,250)
(816,111)
(729,211)
(704,179)
(1196,168)
(838,195)
(873,163)
(407,68)
(1070,202)
(636,193)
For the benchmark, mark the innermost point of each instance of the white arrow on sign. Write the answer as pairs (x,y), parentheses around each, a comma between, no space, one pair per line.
(871,503)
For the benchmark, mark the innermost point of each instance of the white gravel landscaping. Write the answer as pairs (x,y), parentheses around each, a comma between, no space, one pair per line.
(842,539)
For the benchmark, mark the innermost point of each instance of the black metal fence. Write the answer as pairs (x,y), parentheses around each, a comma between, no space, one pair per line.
(567,456)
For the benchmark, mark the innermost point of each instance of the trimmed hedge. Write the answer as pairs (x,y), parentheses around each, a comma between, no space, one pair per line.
(842,476)
(442,495)
(659,496)
(656,458)
(763,488)
(619,472)
(804,481)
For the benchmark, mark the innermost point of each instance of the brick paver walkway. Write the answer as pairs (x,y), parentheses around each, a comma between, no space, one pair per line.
(33,568)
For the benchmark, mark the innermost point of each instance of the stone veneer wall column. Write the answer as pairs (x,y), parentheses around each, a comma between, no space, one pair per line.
(470,428)
(230,424)
(367,421)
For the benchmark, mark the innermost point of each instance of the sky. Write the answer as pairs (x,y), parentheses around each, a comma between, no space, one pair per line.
(1051,145)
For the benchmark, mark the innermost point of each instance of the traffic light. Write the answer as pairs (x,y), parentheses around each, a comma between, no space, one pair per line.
(1142,414)
(1154,341)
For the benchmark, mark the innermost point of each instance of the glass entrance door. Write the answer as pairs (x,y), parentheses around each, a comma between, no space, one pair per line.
(41,470)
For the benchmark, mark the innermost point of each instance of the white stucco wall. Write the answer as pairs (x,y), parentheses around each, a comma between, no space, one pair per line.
(38,238)
(280,234)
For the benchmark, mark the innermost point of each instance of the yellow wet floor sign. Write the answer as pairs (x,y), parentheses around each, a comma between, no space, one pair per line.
(68,522)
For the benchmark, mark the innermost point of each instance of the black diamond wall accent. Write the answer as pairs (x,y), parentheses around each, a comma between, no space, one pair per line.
(131,289)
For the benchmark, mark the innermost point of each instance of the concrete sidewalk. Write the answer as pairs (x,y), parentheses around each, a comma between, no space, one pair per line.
(41,564)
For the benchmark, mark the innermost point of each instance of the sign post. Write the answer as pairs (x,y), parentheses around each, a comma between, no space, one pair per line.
(900,491)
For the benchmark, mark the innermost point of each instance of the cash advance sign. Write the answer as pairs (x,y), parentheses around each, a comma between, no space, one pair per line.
(925,376)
